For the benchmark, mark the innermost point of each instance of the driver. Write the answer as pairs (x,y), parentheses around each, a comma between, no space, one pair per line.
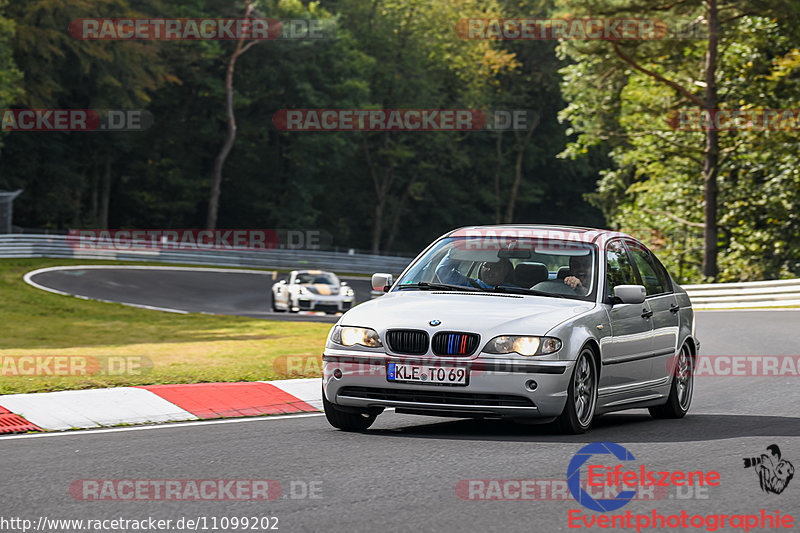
(580,270)
(495,273)
(490,273)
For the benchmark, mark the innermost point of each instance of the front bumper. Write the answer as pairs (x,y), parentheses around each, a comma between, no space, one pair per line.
(328,304)
(496,388)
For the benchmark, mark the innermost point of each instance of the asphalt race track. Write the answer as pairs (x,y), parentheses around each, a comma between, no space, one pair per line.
(186,289)
(402,474)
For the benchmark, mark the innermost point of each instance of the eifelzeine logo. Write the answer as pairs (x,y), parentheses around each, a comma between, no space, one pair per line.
(774,472)
(617,476)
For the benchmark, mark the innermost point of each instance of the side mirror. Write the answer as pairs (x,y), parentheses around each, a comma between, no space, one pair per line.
(282,282)
(381,282)
(343,283)
(630,294)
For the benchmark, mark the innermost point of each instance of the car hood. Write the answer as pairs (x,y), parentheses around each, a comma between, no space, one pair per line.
(323,289)
(459,311)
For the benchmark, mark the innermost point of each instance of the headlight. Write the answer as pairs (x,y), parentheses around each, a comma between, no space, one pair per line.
(349,292)
(523,345)
(350,336)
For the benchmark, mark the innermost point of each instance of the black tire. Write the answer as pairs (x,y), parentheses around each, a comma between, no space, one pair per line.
(346,421)
(575,419)
(275,307)
(682,388)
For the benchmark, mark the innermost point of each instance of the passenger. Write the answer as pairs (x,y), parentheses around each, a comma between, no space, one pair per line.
(580,270)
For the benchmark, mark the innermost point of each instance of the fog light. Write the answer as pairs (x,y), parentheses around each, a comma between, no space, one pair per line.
(337,374)
(531,385)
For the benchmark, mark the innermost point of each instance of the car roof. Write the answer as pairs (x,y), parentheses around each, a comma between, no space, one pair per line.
(539,231)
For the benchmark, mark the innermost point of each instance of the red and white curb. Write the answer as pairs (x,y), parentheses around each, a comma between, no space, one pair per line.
(94,408)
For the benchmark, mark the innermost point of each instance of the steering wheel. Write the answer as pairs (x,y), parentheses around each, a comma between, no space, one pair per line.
(556,287)
(473,283)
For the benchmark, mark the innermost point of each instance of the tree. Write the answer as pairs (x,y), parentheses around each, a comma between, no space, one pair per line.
(621,91)
(242,46)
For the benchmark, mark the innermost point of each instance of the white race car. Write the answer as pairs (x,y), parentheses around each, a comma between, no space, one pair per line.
(312,290)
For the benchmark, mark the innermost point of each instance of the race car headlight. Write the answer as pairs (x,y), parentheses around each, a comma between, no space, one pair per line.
(523,345)
(348,292)
(350,336)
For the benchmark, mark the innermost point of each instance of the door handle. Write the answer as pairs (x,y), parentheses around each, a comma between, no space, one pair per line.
(674,308)
(646,313)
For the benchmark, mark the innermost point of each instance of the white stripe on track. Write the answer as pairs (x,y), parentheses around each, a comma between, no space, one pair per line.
(271,418)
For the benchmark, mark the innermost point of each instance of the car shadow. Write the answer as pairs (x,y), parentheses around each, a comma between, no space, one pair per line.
(618,427)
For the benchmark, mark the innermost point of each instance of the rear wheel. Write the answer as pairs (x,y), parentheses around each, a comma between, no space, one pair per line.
(680,393)
(346,420)
(581,396)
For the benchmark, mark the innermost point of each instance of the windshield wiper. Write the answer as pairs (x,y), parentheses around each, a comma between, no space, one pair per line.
(520,290)
(424,285)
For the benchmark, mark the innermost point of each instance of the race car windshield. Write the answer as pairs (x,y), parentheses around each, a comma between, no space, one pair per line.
(543,267)
(324,278)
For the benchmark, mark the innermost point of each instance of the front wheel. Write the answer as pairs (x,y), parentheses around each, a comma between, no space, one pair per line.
(344,420)
(581,396)
(680,393)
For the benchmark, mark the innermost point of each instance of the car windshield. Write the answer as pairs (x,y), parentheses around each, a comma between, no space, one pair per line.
(325,278)
(543,267)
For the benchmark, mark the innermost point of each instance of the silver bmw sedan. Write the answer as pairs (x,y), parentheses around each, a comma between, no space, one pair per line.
(530,323)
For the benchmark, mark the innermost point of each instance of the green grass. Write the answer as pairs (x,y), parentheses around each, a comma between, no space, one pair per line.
(178,348)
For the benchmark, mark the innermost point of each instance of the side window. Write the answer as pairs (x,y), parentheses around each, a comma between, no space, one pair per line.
(652,276)
(662,274)
(619,270)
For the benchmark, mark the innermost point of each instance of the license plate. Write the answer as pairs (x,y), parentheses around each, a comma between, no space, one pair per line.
(436,375)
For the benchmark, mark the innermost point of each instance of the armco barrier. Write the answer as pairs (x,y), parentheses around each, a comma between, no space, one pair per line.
(780,293)
(56,246)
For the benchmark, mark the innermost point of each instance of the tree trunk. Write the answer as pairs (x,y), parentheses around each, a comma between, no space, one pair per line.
(219,163)
(520,148)
(398,213)
(105,194)
(95,194)
(382,188)
(497,199)
(711,161)
(377,227)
